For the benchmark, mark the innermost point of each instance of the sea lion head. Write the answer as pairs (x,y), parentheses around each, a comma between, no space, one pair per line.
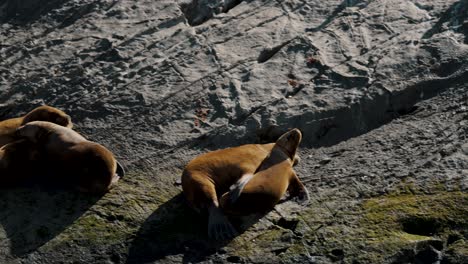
(289,142)
(50,114)
(95,168)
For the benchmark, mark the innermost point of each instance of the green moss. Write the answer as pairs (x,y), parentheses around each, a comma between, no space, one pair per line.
(96,229)
(383,226)
(397,221)
(119,214)
(262,243)
(379,227)
(410,237)
(293,252)
(459,247)
(445,207)
(457,252)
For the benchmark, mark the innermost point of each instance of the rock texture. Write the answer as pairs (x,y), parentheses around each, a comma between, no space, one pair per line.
(379,89)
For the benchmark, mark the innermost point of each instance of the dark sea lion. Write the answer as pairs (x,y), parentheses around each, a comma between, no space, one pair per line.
(83,164)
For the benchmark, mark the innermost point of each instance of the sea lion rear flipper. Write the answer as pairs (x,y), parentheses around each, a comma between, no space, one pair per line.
(120,170)
(289,142)
(219,226)
(236,188)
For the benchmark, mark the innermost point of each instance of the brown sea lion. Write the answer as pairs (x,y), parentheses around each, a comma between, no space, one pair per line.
(83,164)
(41,113)
(260,192)
(18,162)
(210,175)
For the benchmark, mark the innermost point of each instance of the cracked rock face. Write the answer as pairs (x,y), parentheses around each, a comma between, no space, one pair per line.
(378,89)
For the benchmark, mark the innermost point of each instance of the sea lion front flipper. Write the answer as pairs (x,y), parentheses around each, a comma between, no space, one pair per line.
(303,198)
(296,160)
(120,170)
(219,226)
(298,191)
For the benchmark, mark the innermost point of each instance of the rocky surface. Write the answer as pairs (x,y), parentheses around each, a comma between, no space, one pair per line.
(379,89)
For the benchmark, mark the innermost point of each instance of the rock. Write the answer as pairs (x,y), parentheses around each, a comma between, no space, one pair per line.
(378,89)
(464,148)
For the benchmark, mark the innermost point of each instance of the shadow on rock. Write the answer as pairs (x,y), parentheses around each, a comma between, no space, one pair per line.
(24,12)
(33,216)
(175,229)
(455,17)
(28,10)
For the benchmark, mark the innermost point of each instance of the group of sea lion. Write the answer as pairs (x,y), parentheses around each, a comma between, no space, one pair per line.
(44,137)
(243,180)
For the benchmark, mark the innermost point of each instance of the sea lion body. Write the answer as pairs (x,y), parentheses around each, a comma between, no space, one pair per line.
(211,175)
(260,192)
(18,162)
(83,164)
(41,113)
(214,172)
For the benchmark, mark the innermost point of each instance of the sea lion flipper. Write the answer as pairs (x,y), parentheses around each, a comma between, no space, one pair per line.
(303,197)
(298,191)
(120,170)
(289,142)
(219,226)
(296,160)
(236,188)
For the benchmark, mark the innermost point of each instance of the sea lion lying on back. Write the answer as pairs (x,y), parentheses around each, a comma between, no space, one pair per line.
(210,175)
(18,162)
(260,192)
(41,113)
(83,164)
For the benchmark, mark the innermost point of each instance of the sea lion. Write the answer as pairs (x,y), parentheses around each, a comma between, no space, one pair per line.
(210,175)
(18,161)
(260,192)
(78,162)
(41,113)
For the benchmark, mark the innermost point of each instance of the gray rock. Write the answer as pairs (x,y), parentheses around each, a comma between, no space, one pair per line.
(377,87)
